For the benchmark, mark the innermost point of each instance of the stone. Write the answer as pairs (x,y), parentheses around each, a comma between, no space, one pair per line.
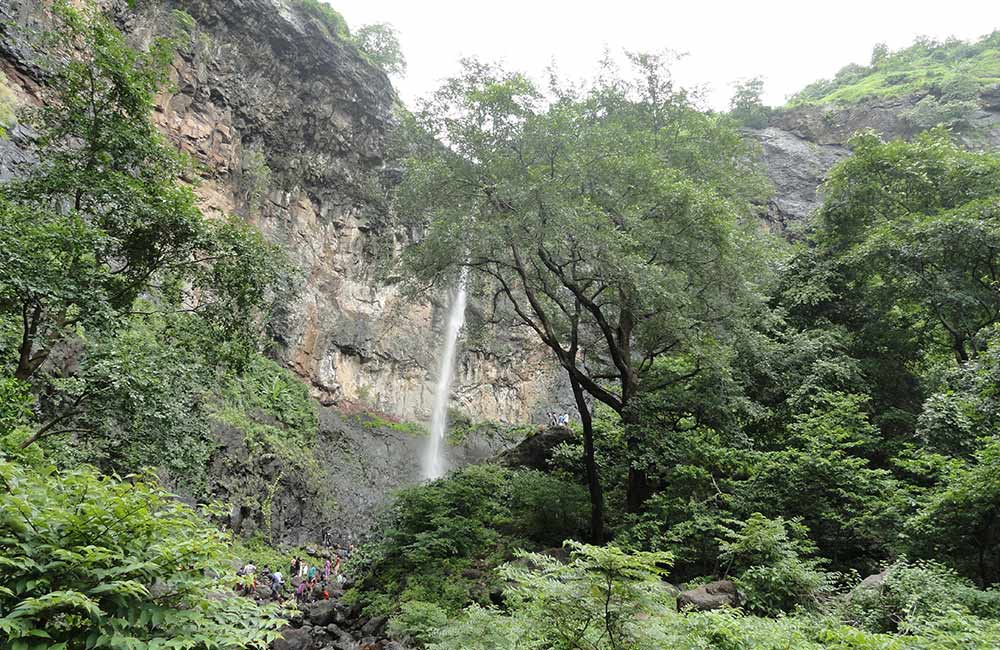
(535,451)
(875,581)
(714,595)
(375,626)
(323,613)
(293,639)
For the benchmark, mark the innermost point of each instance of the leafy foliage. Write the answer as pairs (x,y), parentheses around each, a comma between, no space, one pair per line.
(576,607)
(746,106)
(104,251)
(91,561)
(380,43)
(607,220)
(8,105)
(437,542)
(770,558)
(944,71)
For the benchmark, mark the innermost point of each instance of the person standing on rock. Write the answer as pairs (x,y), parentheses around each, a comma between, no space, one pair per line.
(300,593)
(326,570)
(276,582)
(295,567)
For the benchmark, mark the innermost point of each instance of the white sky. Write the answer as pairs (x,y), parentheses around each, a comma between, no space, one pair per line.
(789,43)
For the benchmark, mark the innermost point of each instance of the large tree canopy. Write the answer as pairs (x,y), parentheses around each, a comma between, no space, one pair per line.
(608,218)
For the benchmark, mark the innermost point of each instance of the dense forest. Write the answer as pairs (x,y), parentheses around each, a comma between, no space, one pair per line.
(779,442)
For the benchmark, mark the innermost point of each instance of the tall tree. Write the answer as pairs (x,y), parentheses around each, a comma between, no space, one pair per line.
(605,219)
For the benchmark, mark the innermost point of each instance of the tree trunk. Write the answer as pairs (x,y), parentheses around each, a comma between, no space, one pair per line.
(637,485)
(593,477)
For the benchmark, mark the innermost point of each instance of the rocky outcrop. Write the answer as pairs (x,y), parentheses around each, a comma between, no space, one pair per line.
(536,451)
(332,492)
(800,145)
(796,167)
(714,595)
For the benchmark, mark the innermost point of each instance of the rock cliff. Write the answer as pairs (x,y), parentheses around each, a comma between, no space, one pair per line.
(292,126)
(800,145)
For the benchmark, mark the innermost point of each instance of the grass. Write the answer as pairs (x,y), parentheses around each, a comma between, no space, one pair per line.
(331,21)
(924,67)
(372,420)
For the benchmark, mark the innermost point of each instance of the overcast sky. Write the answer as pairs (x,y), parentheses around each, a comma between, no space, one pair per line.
(790,43)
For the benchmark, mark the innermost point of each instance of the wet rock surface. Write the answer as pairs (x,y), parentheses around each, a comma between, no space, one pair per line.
(332,625)
(361,460)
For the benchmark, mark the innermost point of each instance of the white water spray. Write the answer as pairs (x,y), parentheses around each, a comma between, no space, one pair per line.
(434,464)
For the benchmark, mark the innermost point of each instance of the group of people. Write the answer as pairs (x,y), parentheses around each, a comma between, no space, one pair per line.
(313,581)
(557,420)
(311,577)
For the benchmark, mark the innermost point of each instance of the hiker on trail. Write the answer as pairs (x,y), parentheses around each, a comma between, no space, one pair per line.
(300,593)
(312,574)
(564,420)
(276,582)
(303,570)
(336,567)
(326,593)
(295,567)
(249,571)
(326,570)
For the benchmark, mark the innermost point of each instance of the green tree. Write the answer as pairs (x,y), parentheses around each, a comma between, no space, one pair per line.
(604,220)
(746,106)
(912,227)
(380,43)
(103,221)
(90,561)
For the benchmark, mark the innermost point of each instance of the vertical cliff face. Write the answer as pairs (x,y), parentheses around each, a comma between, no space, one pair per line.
(293,124)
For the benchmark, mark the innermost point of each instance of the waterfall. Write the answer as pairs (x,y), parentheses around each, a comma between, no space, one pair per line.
(434,465)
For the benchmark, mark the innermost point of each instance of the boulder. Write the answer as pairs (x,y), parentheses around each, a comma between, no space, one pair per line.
(293,638)
(714,595)
(535,451)
(873,582)
(375,626)
(323,613)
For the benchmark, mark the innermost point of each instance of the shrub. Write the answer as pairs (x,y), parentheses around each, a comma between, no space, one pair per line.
(915,595)
(548,510)
(417,621)
(91,561)
(438,542)
(773,574)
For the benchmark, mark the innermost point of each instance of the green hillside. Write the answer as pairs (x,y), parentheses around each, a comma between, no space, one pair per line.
(952,70)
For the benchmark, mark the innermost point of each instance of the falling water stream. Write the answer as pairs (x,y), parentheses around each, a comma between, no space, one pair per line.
(434,463)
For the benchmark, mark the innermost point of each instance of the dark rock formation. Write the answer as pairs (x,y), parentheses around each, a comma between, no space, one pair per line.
(360,460)
(329,625)
(535,451)
(714,595)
